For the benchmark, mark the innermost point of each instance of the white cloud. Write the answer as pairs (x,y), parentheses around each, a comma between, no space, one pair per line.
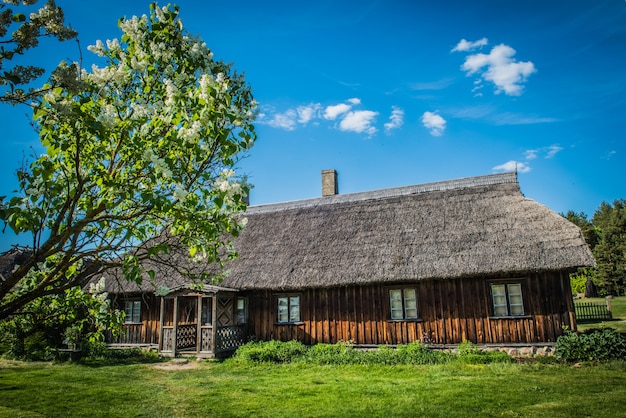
(501,69)
(286,120)
(531,154)
(465,45)
(349,120)
(553,150)
(547,152)
(434,123)
(512,166)
(396,119)
(332,112)
(308,112)
(359,121)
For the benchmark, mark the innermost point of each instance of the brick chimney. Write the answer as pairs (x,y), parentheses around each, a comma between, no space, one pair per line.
(329,183)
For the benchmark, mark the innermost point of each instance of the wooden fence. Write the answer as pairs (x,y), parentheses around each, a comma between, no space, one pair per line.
(591,311)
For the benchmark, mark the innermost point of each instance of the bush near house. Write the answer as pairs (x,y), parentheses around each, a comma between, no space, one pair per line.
(596,344)
(345,353)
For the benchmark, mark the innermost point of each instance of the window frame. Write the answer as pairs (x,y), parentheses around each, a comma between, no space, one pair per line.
(290,305)
(135,311)
(512,298)
(206,311)
(243,312)
(404,307)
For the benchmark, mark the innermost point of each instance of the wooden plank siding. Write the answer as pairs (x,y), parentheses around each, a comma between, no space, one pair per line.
(146,332)
(450,311)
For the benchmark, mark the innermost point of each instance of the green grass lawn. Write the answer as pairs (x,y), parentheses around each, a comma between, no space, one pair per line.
(236,389)
(618,306)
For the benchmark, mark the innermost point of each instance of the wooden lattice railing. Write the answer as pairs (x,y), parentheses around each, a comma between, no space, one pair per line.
(186,336)
(230,337)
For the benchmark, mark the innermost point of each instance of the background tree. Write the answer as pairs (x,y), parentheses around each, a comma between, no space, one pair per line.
(583,280)
(18,34)
(610,251)
(139,158)
(589,231)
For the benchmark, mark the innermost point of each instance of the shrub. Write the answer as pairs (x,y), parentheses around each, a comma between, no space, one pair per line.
(418,353)
(592,345)
(340,353)
(271,351)
(470,353)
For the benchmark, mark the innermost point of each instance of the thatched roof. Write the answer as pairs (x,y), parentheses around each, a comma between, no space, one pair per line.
(10,259)
(479,226)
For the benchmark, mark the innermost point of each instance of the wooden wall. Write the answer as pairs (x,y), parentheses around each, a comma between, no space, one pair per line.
(450,311)
(148,331)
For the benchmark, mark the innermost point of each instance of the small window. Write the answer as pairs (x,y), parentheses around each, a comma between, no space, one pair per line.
(133,312)
(288,309)
(403,303)
(242,314)
(507,299)
(207,311)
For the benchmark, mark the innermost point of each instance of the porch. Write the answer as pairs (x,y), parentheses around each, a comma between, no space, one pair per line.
(206,323)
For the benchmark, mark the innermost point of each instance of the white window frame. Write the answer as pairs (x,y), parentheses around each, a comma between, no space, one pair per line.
(288,308)
(403,304)
(507,299)
(132,308)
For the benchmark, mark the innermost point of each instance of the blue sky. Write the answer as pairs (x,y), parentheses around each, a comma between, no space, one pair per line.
(392,93)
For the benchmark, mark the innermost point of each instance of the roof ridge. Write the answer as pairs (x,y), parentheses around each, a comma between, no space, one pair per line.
(461,183)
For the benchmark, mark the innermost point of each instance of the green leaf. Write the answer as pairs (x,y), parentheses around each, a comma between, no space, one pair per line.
(19,17)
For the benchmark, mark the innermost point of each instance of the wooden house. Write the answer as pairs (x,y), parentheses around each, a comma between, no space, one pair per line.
(466,259)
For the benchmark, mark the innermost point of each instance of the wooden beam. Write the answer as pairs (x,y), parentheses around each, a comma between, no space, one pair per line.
(175,331)
(161,320)
(199,324)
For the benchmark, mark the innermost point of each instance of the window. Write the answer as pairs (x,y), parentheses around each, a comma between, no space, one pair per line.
(403,303)
(207,311)
(133,311)
(507,299)
(288,309)
(242,314)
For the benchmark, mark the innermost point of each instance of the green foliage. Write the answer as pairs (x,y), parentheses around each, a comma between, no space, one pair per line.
(20,30)
(139,161)
(344,353)
(605,234)
(610,252)
(578,282)
(75,317)
(592,345)
(341,353)
(470,353)
(271,351)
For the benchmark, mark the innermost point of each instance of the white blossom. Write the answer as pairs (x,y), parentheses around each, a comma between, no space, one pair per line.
(192,133)
(180,193)
(160,166)
(109,117)
(98,48)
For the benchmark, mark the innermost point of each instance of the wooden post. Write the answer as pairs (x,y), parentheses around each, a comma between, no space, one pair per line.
(214,324)
(175,331)
(608,303)
(161,320)
(199,325)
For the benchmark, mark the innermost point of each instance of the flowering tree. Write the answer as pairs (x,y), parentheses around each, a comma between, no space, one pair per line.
(139,158)
(18,34)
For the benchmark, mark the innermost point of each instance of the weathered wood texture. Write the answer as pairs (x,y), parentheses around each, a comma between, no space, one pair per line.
(450,311)
(146,332)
